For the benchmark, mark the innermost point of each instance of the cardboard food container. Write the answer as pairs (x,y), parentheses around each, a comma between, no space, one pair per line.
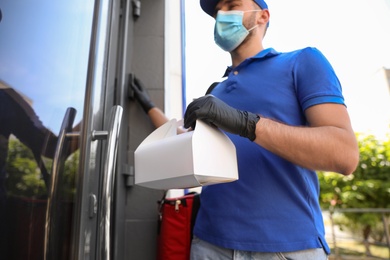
(167,160)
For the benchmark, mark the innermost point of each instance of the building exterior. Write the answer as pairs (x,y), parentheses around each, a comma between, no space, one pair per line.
(67,185)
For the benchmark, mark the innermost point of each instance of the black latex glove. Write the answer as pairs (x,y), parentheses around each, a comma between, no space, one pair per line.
(142,95)
(214,111)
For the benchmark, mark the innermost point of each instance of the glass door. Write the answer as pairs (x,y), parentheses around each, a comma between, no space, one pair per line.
(44,57)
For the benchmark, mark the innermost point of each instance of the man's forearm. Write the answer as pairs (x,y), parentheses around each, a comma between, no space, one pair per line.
(326,148)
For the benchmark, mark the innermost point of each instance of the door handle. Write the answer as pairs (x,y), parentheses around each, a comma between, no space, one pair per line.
(105,214)
(51,228)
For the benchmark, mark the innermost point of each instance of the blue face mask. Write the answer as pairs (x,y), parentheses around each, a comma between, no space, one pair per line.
(229,32)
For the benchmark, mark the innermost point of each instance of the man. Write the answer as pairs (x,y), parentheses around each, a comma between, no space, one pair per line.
(285,113)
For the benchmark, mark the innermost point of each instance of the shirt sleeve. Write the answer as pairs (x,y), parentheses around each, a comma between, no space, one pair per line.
(315,80)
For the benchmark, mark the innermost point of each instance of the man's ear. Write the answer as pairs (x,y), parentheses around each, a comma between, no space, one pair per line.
(263,17)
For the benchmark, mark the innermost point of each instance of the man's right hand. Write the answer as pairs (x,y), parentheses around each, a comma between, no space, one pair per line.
(216,112)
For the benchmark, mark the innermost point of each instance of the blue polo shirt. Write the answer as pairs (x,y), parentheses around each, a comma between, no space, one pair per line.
(273,207)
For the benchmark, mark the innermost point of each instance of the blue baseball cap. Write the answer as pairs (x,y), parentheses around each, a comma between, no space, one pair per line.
(209,5)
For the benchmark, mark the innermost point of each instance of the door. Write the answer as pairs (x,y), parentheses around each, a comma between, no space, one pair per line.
(57,136)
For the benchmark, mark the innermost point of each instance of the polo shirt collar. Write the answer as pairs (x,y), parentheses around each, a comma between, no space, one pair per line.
(266,53)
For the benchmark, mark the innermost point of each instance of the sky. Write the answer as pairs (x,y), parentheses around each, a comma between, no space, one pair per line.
(44,54)
(354,35)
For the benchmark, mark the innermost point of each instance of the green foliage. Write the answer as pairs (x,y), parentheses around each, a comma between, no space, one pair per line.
(69,178)
(24,177)
(23,174)
(367,187)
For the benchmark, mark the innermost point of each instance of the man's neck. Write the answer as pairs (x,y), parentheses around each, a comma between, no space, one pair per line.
(244,51)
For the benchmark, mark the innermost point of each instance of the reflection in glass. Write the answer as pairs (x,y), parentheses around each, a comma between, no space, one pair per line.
(43,64)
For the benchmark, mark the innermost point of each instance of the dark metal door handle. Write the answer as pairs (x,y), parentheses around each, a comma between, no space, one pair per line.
(50,248)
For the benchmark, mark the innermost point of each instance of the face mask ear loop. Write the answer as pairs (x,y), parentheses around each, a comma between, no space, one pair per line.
(252,28)
(256,24)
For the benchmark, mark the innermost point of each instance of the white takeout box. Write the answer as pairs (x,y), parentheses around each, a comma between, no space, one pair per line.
(167,160)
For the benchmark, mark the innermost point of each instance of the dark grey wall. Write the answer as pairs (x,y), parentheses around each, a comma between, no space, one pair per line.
(135,227)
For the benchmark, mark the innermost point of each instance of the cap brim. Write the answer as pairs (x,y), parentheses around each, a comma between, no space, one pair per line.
(208,6)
